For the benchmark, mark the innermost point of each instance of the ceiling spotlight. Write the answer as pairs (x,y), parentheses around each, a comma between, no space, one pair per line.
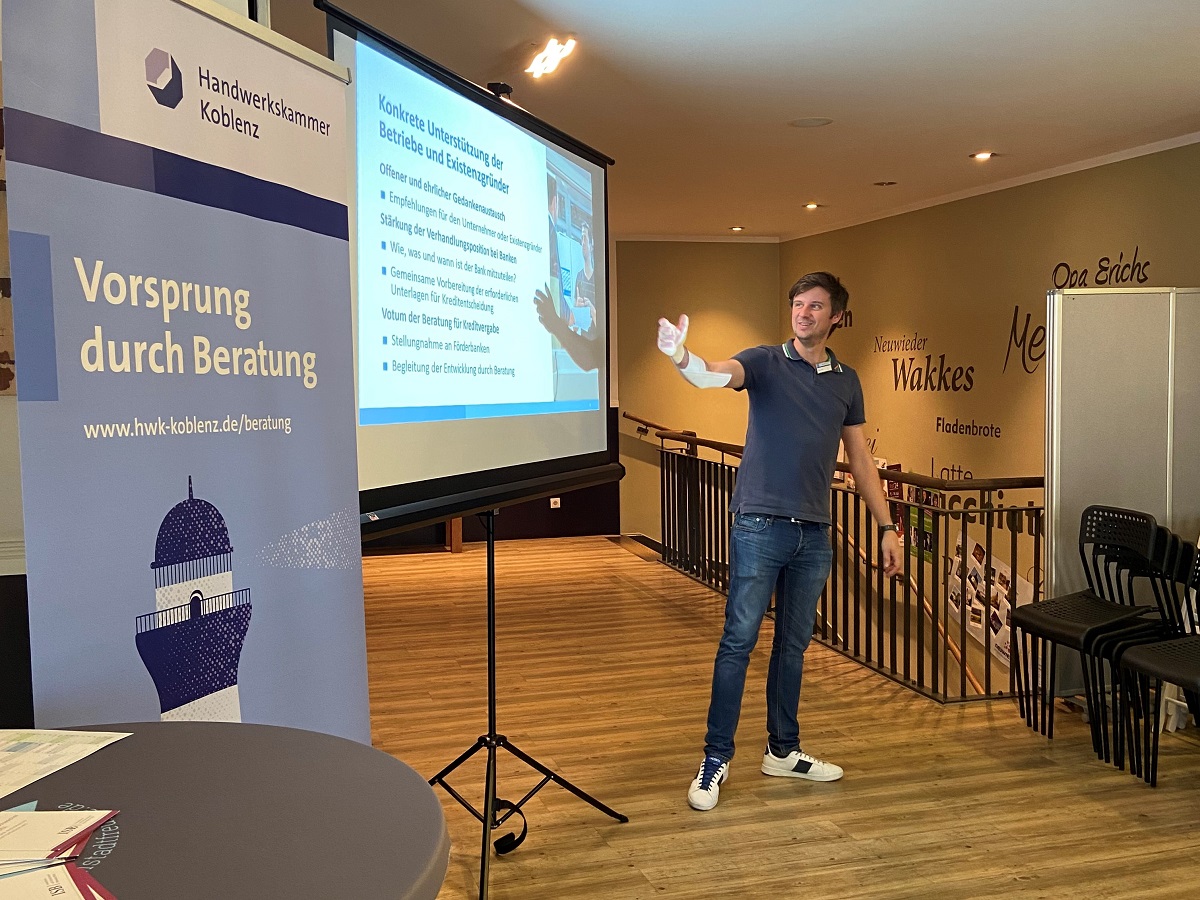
(811,205)
(983,154)
(883,183)
(736,228)
(810,122)
(547,61)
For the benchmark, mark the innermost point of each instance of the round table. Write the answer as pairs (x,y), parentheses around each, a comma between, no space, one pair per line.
(212,809)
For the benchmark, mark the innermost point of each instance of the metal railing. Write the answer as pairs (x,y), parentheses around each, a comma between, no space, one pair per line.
(974,550)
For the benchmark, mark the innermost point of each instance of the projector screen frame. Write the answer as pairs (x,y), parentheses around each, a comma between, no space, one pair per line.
(391,509)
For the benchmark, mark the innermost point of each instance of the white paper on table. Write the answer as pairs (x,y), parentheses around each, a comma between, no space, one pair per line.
(52,883)
(38,835)
(13,866)
(29,754)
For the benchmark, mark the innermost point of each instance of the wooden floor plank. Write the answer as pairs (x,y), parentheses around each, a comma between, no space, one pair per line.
(604,662)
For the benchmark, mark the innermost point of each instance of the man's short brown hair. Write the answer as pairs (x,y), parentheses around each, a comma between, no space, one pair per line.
(839,297)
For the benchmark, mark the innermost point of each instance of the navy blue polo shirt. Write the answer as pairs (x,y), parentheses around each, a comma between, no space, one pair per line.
(797,413)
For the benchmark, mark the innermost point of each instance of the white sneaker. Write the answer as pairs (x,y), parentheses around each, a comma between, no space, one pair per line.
(799,764)
(706,786)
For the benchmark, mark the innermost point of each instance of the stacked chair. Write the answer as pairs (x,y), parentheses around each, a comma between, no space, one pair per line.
(1108,649)
(1117,547)
(1128,559)
(1147,665)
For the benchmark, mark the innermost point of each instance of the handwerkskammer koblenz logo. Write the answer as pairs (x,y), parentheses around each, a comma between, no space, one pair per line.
(164,78)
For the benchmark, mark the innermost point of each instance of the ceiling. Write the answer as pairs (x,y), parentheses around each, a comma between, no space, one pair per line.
(692,98)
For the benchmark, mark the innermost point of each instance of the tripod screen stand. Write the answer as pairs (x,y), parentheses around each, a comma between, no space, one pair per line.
(497,811)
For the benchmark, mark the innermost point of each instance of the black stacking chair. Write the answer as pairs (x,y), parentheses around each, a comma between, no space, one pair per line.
(1116,547)
(1146,667)
(1169,584)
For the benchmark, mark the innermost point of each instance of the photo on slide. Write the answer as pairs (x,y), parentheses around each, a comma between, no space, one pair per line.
(571,317)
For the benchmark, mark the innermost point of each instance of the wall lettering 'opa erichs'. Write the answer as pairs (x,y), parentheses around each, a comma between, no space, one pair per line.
(1109,273)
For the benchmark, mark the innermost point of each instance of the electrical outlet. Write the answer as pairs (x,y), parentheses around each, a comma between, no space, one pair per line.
(555,502)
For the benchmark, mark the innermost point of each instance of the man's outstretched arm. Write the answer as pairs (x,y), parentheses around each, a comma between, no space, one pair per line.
(724,373)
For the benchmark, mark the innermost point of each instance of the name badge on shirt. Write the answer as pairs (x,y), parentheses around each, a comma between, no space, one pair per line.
(826,365)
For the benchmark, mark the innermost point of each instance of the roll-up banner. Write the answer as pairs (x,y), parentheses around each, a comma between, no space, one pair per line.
(178,232)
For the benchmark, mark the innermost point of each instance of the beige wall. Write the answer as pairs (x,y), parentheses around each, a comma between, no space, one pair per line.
(730,292)
(955,276)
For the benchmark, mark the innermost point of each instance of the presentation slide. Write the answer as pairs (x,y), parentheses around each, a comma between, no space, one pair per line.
(480,296)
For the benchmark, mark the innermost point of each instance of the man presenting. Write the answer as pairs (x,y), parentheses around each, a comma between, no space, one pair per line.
(803,401)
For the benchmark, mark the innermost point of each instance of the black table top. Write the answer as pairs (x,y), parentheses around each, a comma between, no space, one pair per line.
(214,810)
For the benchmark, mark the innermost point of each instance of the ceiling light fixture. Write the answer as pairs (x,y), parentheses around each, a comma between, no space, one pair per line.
(983,155)
(736,228)
(547,61)
(812,205)
(883,183)
(811,122)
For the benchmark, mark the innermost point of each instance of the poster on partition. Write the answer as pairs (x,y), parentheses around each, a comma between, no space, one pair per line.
(180,267)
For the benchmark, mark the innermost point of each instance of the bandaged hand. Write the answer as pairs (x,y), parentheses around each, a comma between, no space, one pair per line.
(671,338)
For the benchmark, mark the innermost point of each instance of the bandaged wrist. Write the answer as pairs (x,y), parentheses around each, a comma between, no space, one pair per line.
(696,371)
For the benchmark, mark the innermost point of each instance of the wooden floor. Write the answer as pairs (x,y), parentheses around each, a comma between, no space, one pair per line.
(604,664)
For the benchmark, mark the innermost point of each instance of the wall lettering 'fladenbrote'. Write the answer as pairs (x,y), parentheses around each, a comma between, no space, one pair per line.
(967,429)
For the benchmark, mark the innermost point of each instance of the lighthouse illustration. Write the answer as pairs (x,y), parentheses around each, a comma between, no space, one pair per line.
(192,643)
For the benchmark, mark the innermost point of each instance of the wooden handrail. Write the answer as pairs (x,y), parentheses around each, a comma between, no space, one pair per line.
(645,422)
(692,440)
(957,484)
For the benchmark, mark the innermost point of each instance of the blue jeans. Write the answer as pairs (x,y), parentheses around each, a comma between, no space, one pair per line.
(792,559)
